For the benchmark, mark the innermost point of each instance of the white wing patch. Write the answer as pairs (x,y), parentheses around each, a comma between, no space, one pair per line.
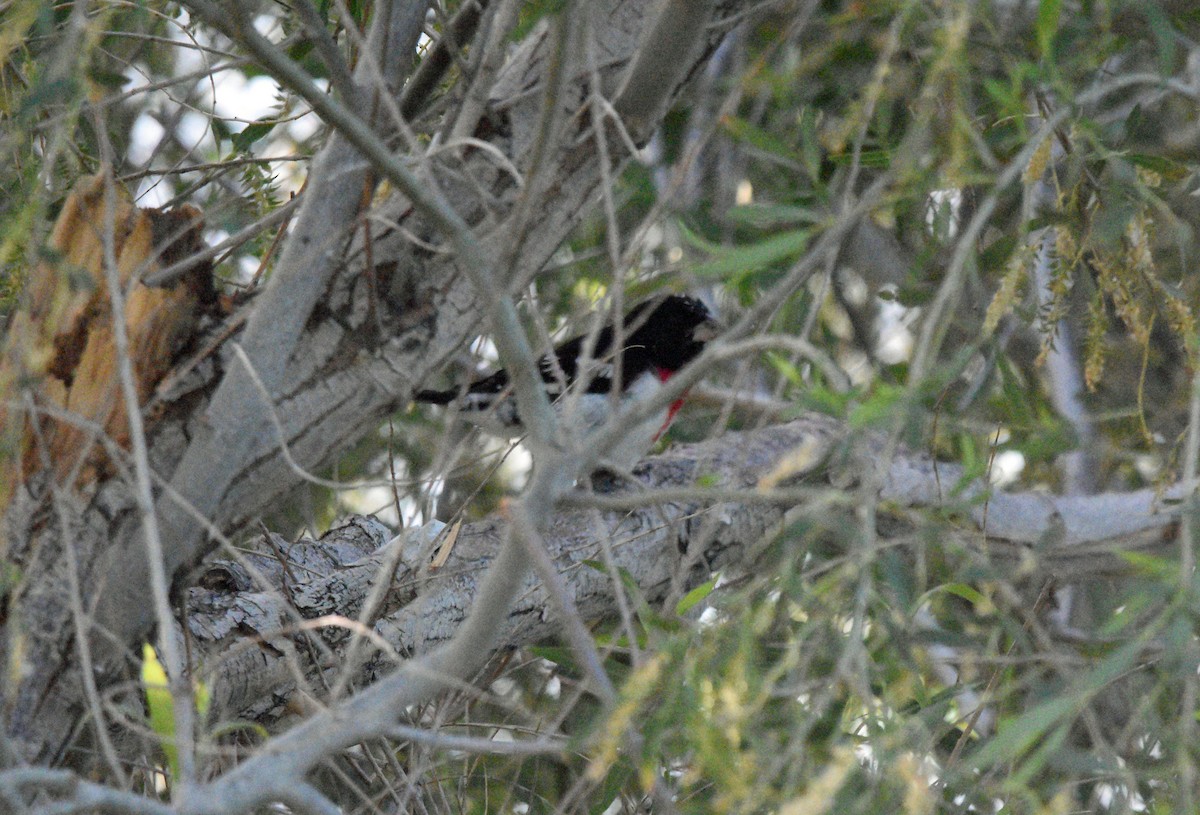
(479,401)
(592,369)
(579,414)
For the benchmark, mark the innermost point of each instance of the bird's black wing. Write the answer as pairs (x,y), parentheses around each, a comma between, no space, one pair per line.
(563,367)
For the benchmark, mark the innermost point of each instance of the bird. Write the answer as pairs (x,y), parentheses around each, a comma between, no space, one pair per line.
(658,338)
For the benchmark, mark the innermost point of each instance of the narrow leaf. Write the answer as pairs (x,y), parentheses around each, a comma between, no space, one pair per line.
(250,134)
(756,256)
(161,706)
(689,600)
(1048,15)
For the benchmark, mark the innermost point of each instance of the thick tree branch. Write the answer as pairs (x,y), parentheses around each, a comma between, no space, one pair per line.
(663,59)
(388,312)
(652,527)
(337,187)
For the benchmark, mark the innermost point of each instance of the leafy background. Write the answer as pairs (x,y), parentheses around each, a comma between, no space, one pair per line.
(849,672)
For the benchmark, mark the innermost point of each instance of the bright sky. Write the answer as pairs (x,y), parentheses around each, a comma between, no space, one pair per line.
(230,95)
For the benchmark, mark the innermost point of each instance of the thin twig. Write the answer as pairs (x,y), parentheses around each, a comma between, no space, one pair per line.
(163,277)
(577,634)
(80,619)
(173,656)
(469,744)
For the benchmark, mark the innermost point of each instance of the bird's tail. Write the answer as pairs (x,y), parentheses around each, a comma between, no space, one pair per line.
(435,397)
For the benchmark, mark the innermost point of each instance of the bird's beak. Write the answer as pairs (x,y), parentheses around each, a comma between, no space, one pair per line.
(708,330)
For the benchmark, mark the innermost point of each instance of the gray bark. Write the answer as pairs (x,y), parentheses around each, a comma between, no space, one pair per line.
(357,357)
(247,619)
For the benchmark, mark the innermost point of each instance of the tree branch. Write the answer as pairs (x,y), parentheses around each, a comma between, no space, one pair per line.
(651,525)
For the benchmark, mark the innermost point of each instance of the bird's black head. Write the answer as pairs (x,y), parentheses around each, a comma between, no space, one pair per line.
(672,329)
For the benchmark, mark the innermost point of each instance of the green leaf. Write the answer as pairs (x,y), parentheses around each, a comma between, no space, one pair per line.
(741,260)
(880,406)
(785,368)
(532,12)
(1023,732)
(250,134)
(1164,36)
(969,456)
(1128,614)
(1151,566)
(202,697)
(689,600)
(810,142)
(10,577)
(239,726)
(755,136)
(614,781)
(557,654)
(114,80)
(300,50)
(879,159)
(1003,94)
(1049,748)
(1168,169)
(161,706)
(1030,728)
(772,216)
(816,396)
(1048,15)
(966,592)
(48,94)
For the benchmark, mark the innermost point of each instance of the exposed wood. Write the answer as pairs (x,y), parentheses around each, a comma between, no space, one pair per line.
(61,342)
(360,354)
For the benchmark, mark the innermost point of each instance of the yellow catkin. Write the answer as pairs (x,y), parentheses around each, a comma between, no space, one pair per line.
(1006,295)
(1038,162)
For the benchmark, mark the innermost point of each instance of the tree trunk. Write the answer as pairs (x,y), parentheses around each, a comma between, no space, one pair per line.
(392,312)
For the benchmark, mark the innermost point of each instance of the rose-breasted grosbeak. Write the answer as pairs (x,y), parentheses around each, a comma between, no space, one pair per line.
(658,337)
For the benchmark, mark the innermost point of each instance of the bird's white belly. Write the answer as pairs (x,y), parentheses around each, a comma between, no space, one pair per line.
(579,415)
(588,412)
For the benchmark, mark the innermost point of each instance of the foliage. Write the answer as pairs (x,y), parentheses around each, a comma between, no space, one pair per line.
(1037,170)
